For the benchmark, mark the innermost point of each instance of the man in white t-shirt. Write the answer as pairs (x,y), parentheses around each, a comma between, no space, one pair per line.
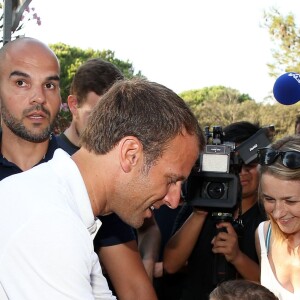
(140,144)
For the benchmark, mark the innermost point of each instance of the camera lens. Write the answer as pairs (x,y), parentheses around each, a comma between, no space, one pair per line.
(215,190)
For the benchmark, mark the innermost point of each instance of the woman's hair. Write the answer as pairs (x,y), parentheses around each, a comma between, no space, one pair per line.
(241,289)
(278,170)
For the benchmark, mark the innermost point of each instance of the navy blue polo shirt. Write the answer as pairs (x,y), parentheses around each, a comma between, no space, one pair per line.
(113,230)
(8,168)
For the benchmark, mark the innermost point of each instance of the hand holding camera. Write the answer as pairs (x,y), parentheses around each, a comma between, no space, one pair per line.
(226,241)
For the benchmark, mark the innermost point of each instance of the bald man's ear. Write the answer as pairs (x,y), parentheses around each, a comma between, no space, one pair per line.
(131,151)
(73,104)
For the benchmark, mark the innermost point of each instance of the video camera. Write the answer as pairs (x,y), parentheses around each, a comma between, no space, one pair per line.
(214,182)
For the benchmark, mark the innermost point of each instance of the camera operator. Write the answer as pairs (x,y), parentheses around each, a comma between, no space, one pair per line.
(198,239)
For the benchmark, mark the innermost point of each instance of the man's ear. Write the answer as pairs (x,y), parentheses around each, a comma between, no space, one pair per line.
(131,151)
(73,104)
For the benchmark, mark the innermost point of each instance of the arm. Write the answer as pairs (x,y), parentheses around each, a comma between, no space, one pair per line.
(227,243)
(125,268)
(149,239)
(182,243)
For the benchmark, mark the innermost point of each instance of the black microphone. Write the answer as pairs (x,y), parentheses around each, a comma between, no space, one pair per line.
(286,88)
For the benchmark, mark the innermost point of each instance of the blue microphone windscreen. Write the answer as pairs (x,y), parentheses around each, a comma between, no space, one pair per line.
(286,89)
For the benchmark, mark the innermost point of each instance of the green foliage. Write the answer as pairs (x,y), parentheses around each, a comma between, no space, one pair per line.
(214,93)
(215,104)
(285,36)
(223,106)
(70,59)
(219,105)
(282,116)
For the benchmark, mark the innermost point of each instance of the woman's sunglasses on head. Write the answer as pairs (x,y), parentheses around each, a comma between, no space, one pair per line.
(267,156)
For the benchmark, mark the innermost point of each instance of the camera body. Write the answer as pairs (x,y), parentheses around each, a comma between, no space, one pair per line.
(214,182)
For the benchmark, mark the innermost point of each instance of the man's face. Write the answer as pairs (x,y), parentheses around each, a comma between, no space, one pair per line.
(83,112)
(29,93)
(144,191)
(249,180)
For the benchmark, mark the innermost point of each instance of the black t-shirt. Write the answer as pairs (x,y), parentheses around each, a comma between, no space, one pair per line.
(64,143)
(201,268)
(8,168)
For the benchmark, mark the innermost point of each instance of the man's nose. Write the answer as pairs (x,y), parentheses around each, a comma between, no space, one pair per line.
(38,96)
(172,198)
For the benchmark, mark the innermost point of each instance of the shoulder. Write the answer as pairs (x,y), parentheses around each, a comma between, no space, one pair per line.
(266,227)
(262,234)
(263,227)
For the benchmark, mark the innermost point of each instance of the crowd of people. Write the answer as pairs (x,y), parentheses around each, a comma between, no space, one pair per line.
(82,213)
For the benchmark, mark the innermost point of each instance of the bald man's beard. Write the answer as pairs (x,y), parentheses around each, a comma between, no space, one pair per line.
(19,129)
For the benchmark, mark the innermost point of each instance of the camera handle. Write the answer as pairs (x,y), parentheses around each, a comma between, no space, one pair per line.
(220,265)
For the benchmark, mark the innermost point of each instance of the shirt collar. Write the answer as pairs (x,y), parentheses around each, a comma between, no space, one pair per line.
(52,146)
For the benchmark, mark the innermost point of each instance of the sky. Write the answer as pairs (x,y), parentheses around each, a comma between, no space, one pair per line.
(182,44)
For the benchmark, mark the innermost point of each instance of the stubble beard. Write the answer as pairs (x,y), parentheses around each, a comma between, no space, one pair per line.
(19,129)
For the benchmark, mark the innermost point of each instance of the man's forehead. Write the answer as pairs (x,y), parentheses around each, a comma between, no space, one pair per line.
(30,66)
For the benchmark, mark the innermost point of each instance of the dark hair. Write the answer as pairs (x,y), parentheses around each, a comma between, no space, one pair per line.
(239,132)
(240,289)
(95,75)
(147,110)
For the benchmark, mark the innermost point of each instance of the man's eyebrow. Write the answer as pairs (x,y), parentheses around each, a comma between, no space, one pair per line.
(22,74)
(54,77)
(18,73)
(178,177)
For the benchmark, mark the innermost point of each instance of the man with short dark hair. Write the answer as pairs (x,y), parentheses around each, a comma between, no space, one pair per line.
(115,242)
(140,144)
